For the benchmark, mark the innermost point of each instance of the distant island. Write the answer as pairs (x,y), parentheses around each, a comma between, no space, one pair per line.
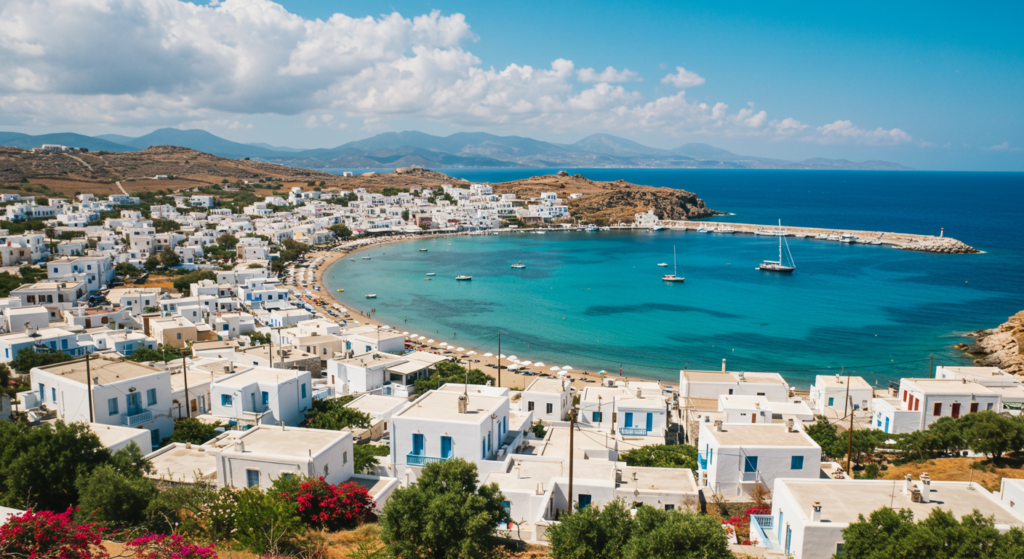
(461,150)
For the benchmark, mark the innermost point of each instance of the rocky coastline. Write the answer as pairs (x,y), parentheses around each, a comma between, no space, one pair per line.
(1000,346)
(944,245)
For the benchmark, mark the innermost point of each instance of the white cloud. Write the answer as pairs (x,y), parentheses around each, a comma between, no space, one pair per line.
(145,63)
(609,75)
(842,130)
(1001,147)
(683,78)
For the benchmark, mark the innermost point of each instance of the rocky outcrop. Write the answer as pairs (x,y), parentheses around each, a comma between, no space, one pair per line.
(944,245)
(999,347)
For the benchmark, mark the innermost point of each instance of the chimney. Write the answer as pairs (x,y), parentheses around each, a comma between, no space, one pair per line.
(907,484)
(639,394)
(718,425)
(516,471)
(723,365)
(839,379)
(789,425)
(463,403)
(239,446)
(926,488)
(816,512)
(740,375)
(757,405)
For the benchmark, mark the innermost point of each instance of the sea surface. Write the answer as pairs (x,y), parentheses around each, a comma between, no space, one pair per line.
(595,301)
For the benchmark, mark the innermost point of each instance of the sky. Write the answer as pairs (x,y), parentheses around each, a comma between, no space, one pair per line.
(928,85)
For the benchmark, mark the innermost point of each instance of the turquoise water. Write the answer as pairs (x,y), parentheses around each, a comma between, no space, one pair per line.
(596,300)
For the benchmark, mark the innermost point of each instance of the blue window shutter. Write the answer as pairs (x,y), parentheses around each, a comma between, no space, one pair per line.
(151,397)
(303,390)
(53,392)
(796,463)
(629,419)
(650,421)
(266,398)
(750,464)
(112,406)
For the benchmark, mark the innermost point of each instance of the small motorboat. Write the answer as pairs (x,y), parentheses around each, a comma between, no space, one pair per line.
(519,265)
(371,296)
(662,265)
(341,291)
(423,250)
(431,274)
(463,278)
(426,279)
(366,258)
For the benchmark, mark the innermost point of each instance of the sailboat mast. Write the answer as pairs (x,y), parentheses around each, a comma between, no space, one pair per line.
(780,242)
(675,268)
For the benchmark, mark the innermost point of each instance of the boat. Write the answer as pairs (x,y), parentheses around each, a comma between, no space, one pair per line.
(702,229)
(778,265)
(590,228)
(657,228)
(463,278)
(519,265)
(662,265)
(672,277)
(341,291)
(423,250)
(366,258)
(725,230)
(833,237)
(371,296)
(426,279)
(431,274)
(848,238)
(604,228)
(821,237)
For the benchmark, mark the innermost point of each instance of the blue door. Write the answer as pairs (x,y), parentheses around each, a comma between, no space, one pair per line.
(446,447)
(154,438)
(584,501)
(887,425)
(629,419)
(133,403)
(650,422)
(417,444)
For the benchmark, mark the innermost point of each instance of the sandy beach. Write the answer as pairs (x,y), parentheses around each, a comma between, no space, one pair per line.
(509,379)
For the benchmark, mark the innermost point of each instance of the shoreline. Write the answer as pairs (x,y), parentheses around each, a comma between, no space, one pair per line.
(579,378)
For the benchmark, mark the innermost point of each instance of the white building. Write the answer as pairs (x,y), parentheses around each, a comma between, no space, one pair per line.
(733,458)
(935,398)
(548,399)
(260,395)
(363,373)
(830,396)
(259,456)
(710,384)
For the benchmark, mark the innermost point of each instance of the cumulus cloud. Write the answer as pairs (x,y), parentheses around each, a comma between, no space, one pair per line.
(845,130)
(170,62)
(609,75)
(683,78)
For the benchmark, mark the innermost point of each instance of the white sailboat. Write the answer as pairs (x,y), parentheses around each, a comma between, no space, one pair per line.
(673,277)
(778,266)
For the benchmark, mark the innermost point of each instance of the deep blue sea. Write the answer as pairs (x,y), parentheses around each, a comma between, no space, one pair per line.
(595,300)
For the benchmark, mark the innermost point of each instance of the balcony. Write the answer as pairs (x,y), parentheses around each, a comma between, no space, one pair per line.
(761,529)
(137,419)
(702,461)
(633,432)
(418,460)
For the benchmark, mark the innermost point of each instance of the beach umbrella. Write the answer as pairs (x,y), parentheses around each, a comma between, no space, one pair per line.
(602,372)
(430,341)
(513,367)
(502,356)
(560,373)
(525,363)
(512,357)
(442,344)
(539,363)
(566,368)
(405,333)
(470,353)
(461,349)
(488,355)
(555,369)
(424,337)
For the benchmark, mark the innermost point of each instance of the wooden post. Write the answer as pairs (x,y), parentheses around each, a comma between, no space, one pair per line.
(499,358)
(88,384)
(572,429)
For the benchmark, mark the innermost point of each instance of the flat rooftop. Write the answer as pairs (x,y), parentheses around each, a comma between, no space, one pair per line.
(183,465)
(532,472)
(444,405)
(832,381)
(730,376)
(547,386)
(257,374)
(761,435)
(102,370)
(281,355)
(948,386)
(843,500)
(371,359)
(290,441)
(658,479)
(219,344)
(375,403)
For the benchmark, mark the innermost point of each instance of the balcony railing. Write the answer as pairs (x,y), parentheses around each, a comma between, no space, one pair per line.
(761,526)
(702,461)
(633,431)
(136,419)
(418,460)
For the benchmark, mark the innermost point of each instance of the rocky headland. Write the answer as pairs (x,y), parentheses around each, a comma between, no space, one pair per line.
(1000,346)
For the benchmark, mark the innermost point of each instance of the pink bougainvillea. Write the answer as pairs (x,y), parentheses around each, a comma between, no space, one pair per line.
(160,546)
(333,507)
(45,534)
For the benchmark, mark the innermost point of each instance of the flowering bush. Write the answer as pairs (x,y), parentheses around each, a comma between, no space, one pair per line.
(333,507)
(159,546)
(47,534)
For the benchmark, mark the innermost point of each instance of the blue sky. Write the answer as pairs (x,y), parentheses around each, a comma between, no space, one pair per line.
(928,85)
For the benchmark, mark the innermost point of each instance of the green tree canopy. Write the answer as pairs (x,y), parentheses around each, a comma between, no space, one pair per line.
(192,431)
(169,258)
(27,359)
(152,263)
(825,434)
(127,269)
(184,283)
(991,434)
(592,532)
(365,456)
(116,494)
(165,225)
(443,515)
(227,241)
(662,456)
(660,534)
(340,231)
(333,415)
(887,533)
(449,372)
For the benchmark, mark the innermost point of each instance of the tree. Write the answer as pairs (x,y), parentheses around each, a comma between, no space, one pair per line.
(40,465)
(449,372)
(265,521)
(169,258)
(8,385)
(184,283)
(165,225)
(340,231)
(258,338)
(888,533)
(334,416)
(824,433)
(989,433)
(592,532)
(113,498)
(27,359)
(660,534)
(365,457)
(405,215)
(662,456)
(443,515)
(192,431)
(152,263)
(227,241)
(126,269)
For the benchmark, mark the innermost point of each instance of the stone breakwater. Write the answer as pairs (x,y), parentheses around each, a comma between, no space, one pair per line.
(1000,346)
(902,241)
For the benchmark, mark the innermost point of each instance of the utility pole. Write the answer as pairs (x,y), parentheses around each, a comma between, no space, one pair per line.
(849,445)
(184,372)
(572,429)
(88,384)
(846,401)
(499,359)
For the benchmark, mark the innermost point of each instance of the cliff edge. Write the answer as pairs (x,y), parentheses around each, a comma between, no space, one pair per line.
(1000,346)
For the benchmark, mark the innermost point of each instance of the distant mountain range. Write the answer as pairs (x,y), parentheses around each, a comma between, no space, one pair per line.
(463,149)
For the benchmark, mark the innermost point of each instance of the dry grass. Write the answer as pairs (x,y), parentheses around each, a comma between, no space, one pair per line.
(959,469)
